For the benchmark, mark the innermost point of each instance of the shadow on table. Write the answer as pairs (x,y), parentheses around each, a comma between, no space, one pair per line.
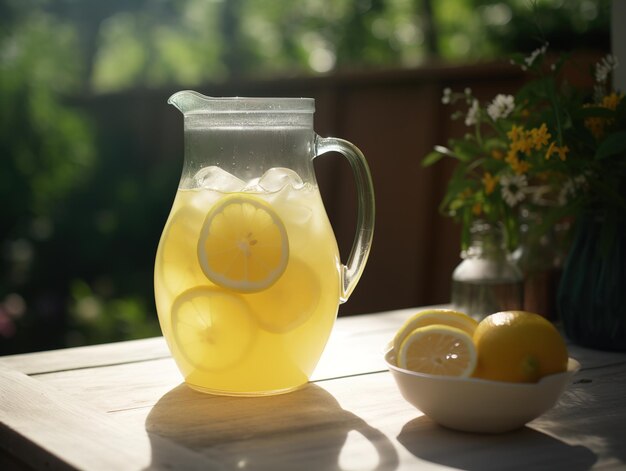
(306,429)
(522,449)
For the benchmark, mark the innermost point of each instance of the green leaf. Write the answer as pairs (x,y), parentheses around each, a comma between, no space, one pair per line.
(614,144)
(495,142)
(466,151)
(432,158)
(595,112)
(456,204)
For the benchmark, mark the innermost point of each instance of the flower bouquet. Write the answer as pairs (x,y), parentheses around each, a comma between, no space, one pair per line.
(550,148)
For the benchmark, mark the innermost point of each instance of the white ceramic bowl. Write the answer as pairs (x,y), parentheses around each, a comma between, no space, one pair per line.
(478,405)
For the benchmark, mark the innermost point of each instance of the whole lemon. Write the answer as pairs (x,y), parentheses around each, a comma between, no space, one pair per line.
(518,346)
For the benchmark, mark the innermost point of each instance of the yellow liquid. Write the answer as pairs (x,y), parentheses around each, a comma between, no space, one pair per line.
(236,343)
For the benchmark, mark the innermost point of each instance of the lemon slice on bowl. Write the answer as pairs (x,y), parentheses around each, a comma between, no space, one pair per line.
(213,329)
(438,350)
(243,244)
(434,316)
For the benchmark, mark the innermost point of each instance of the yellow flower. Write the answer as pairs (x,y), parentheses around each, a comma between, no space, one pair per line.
(526,145)
(611,101)
(518,146)
(490,182)
(497,154)
(519,166)
(522,140)
(477,209)
(516,133)
(560,150)
(522,167)
(511,156)
(595,124)
(540,136)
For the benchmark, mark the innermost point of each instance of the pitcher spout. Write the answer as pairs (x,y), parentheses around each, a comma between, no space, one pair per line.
(189,101)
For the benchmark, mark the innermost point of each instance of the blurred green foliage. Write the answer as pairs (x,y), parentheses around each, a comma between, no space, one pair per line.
(81,214)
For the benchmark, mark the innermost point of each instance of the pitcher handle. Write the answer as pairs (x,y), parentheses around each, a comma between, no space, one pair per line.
(352,271)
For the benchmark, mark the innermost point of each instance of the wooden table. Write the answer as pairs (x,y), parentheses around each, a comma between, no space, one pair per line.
(122,406)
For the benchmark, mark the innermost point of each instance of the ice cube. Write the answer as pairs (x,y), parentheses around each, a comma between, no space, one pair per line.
(296,212)
(216,178)
(278,178)
(295,205)
(253,186)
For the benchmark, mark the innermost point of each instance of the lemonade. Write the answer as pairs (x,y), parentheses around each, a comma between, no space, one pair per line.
(247,282)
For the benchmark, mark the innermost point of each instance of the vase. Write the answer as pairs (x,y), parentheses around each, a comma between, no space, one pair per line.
(592,291)
(539,257)
(487,280)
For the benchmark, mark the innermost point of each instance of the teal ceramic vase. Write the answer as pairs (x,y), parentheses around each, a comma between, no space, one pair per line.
(592,292)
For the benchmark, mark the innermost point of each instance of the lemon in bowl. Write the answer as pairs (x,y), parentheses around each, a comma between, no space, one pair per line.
(456,398)
(519,347)
(427,317)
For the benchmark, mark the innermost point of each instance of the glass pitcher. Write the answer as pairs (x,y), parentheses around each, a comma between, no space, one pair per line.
(248,277)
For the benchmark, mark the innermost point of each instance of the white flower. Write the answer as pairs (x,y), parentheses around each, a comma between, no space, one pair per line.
(539,194)
(567,189)
(605,67)
(571,188)
(447,96)
(533,55)
(512,188)
(472,114)
(501,106)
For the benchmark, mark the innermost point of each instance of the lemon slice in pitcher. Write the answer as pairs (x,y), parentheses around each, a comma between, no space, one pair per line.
(213,329)
(243,244)
(177,267)
(291,302)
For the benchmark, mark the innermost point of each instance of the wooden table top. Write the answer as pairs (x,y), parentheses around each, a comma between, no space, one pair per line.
(123,406)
